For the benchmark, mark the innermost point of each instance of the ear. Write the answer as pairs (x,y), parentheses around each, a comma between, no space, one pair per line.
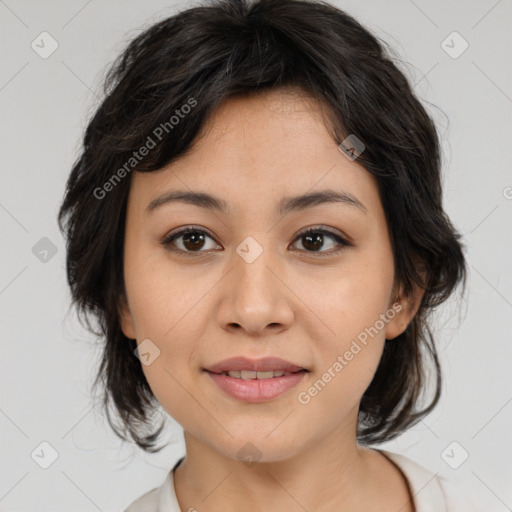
(126,319)
(405,308)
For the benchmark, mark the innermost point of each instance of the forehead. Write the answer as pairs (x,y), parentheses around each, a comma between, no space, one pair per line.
(259,148)
(256,124)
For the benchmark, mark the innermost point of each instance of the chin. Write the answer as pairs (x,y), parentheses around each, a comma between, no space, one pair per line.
(255,445)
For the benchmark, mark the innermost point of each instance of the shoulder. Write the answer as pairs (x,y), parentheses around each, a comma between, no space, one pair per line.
(146,503)
(159,499)
(431,492)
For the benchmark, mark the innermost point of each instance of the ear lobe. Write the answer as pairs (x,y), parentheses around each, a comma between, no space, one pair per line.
(126,319)
(404,315)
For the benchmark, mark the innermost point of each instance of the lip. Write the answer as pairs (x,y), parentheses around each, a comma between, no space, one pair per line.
(257,365)
(256,390)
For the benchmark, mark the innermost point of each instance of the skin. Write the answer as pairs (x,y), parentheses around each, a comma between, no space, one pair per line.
(290,302)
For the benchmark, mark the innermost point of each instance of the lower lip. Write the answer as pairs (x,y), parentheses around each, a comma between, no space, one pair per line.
(256,390)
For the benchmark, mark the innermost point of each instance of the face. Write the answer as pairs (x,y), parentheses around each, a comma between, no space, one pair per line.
(246,281)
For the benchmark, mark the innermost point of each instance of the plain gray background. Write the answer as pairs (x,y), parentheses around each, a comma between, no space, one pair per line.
(48,361)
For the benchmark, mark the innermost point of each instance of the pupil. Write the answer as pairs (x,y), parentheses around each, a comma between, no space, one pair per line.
(193,240)
(315,240)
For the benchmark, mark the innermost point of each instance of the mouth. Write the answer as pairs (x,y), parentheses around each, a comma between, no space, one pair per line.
(253,375)
(246,368)
(254,390)
(254,381)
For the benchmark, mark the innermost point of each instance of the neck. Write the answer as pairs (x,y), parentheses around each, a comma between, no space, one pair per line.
(334,473)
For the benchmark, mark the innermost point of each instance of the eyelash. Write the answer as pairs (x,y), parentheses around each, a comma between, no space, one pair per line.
(167,242)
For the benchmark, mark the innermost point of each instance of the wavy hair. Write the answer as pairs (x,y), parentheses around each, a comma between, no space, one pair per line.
(225,48)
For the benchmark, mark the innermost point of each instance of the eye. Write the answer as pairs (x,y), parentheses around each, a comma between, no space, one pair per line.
(313,239)
(192,240)
(188,241)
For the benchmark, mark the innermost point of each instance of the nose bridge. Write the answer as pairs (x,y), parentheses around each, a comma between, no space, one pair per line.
(254,298)
(253,277)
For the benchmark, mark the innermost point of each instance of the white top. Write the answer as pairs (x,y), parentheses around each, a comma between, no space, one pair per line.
(430,492)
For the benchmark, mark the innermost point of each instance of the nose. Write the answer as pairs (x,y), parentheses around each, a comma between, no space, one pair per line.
(255,297)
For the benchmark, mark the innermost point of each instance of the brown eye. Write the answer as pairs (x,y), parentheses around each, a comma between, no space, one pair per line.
(193,241)
(187,241)
(314,239)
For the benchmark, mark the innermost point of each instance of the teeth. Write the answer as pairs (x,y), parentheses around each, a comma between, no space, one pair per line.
(264,375)
(249,375)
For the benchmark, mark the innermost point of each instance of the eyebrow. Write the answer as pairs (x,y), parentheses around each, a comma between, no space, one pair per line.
(287,204)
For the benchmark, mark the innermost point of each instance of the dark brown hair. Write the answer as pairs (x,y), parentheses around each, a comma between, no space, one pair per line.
(202,56)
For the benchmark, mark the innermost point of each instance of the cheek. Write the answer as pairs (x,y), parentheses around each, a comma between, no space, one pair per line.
(348,327)
(162,294)
(177,396)
(345,369)
(344,302)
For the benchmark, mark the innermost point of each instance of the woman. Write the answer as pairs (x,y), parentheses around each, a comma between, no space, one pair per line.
(256,221)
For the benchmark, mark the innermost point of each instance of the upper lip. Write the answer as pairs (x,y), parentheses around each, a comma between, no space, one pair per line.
(265,364)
